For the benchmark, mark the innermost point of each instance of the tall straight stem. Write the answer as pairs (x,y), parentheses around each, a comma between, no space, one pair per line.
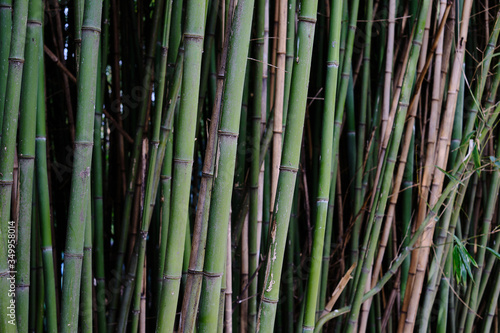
(289,167)
(73,253)
(332,70)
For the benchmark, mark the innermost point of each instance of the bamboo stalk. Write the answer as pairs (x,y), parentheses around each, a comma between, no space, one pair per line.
(289,167)
(5,37)
(26,159)
(325,174)
(224,173)
(44,202)
(81,169)
(8,142)
(182,163)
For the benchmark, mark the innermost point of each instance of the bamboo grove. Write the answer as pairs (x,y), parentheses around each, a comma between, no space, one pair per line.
(249,166)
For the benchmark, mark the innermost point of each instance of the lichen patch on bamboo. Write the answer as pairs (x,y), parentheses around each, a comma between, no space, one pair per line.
(85,173)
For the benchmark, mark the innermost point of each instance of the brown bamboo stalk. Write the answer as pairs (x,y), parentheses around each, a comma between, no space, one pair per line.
(280,92)
(441,159)
(274,51)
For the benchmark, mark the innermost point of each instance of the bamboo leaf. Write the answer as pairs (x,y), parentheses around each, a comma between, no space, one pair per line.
(495,253)
(449,175)
(477,160)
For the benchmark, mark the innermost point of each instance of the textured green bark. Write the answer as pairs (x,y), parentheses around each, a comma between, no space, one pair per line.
(224,174)
(80,186)
(7,151)
(44,203)
(289,165)
(184,138)
(5,36)
(325,166)
(27,161)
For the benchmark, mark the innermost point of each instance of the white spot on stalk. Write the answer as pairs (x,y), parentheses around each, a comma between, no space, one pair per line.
(271,283)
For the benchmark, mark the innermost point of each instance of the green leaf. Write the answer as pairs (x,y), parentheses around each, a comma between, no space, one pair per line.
(462,260)
(449,175)
(457,264)
(477,159)
(495,253)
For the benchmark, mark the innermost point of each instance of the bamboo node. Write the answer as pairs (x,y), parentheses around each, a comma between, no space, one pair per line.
(307,19)
(268,300)
(192,271)
(73,255)
(212,275)
(288,169)
(94,29)
(227,133)
(193,36)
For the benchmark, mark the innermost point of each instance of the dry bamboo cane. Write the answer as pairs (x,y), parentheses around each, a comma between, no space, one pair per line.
(407,321)
(278,99)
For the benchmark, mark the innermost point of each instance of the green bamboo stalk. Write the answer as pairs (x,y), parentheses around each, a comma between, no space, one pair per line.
(97,192)
(8,142)
(140,245)
(256,117)
(324,168)
(79,7)
(224,175)
(26,159)
(35,267)
(44,202)
(182,163)
(5,37)
(166,188)
(290,48)
(351,135)
(489,210)
(156,158)
(406,195)
(290,253)
(81,169)
(360,150)
(85,320)
(289,165)
(134,165)
(444,294)
(492,306)
(194,280)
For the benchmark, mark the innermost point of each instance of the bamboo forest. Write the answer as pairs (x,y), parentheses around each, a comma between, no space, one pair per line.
(249,166)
